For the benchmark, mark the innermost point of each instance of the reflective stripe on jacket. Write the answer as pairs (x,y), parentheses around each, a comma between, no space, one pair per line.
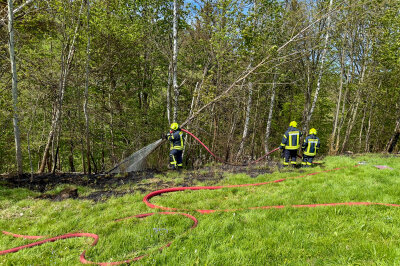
(291,139)
(177,140)
(311,145)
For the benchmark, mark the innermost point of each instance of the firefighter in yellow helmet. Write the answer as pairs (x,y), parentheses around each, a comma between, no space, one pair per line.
(177,139)
(290,144)
(310,146)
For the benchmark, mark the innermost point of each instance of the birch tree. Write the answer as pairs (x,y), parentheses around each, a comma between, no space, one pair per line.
(175,60)
(18,153)
(270,113)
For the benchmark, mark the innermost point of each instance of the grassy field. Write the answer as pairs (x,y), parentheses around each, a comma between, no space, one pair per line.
(295,236)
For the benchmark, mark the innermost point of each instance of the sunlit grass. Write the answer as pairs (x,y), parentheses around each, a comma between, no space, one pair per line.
(323,235)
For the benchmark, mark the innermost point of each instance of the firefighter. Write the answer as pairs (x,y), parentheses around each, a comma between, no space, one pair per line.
(176,138)
(310,146)
(290,144)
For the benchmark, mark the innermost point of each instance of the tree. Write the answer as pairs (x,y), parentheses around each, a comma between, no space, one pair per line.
(14,87)
(66,61)
(175,61)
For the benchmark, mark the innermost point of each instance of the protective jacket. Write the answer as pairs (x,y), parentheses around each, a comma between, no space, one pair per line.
(311,145)
(291,139)
(177,140)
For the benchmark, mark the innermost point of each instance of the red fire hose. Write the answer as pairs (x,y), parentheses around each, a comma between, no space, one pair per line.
(147,198)
(95,239)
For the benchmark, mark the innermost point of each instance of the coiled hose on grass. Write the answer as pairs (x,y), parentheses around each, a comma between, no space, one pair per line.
(147,198)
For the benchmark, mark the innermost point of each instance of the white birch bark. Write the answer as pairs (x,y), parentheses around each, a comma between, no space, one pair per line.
(169,93)
(336,117)
(17,139)
(270,113)
(175,61)
(247,116)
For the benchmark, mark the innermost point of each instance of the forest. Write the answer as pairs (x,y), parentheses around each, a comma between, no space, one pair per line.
(84,83)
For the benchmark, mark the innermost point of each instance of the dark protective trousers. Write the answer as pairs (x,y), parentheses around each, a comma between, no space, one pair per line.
(290,156)
(307,161)
(175,158)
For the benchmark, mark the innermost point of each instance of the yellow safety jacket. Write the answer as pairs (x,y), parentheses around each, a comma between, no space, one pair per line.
(311,145)
(291,139)
(177,140)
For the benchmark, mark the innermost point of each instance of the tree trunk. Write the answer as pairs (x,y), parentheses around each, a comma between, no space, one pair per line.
(271,111)
(85,111)
(361,129)
(230,138)
(395,137)
(368,134)
(255,126)
(352,120)
(307,93)
(247,120)
(113,159)
(332,150)
(169,93)
(83,156)
(18,152)
(175,61)
(71,157)
(343,115)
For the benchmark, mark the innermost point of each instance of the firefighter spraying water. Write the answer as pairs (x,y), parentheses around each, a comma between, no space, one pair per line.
(177,140)
(289,146)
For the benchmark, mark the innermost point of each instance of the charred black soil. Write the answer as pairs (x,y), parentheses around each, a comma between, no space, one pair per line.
(111,185)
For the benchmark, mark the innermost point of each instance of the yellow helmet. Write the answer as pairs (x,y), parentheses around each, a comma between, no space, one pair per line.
(313,131)
(174,126)
(293,124)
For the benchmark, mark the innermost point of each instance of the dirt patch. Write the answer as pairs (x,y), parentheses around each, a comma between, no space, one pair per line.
(45,182)
(67,193)
(112,185)
(103,195)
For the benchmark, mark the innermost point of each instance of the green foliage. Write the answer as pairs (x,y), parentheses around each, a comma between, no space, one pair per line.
(130,54)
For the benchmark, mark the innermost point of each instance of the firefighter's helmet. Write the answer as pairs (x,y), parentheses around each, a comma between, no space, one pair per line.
(174,126)
(313,131)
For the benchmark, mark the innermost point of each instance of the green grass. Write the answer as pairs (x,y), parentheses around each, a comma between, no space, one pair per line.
(349,235)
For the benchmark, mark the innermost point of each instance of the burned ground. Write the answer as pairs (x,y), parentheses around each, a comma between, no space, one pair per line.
(104,186)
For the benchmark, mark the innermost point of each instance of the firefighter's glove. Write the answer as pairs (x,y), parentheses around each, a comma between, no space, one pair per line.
(166,136)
